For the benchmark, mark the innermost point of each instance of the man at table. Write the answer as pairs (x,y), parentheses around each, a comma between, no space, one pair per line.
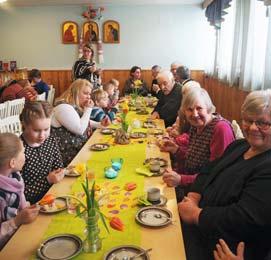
(170,100)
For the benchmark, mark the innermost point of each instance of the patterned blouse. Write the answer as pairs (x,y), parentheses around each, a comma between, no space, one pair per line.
(69,143)
(39,162)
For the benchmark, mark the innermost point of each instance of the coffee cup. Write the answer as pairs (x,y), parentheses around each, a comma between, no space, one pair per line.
(154,166)
(153,195)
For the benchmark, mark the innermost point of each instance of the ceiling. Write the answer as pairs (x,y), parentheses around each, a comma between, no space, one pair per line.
(97,2)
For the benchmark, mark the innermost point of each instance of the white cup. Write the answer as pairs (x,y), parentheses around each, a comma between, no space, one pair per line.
(153,194)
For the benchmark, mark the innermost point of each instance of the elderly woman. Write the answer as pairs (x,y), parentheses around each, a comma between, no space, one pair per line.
(135,83)
(209,136)
(70,122)
(231,198)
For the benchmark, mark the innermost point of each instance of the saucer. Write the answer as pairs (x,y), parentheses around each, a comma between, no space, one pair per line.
(160,203)
(99,147)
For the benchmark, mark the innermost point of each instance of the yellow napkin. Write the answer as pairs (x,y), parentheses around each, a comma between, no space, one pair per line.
(144,171)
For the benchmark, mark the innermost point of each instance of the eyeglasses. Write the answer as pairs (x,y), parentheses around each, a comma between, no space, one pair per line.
(260,124)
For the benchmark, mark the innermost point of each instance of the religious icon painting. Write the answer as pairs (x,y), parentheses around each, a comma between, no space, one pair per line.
(90,32)
(111,32)
(70,32)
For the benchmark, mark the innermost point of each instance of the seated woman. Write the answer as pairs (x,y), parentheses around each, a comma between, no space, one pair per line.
(135,83)
(209,136)
(17,89)
(43,163)
(231,198)
(70,122)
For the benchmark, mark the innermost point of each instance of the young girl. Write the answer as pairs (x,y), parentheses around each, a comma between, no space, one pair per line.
(14,210)
(43,163)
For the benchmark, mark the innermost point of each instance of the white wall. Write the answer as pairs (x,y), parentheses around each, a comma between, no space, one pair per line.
(149,35)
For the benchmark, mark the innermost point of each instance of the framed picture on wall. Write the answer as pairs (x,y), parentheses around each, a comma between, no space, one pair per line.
(70,32)
(90,32)
(111,32)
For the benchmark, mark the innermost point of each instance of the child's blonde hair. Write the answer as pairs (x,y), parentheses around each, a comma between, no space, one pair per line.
(10,146)
(35,110)
(107,86)
(98,94)
(115,82)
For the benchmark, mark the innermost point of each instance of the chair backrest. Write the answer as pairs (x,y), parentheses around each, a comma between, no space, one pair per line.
(41,96)
(3,110)
(15,107)
(11,124)
(51,95)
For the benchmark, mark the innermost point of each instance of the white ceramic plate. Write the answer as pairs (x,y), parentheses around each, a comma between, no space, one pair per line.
(99,147)
(125,252)
(154,217)
(60,247)
(58,205)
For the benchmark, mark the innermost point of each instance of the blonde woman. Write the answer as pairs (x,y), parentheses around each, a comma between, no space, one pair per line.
(70,122)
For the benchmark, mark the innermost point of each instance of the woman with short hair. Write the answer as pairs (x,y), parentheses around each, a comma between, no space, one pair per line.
(209,136)
(231,198)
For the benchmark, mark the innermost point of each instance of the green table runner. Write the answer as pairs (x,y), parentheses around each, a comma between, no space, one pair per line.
(121,203)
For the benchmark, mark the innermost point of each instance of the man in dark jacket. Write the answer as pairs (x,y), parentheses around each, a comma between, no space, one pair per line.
(170,100)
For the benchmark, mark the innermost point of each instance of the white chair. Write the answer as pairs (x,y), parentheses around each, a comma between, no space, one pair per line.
(237,130)
(51,95)
(11,124)
(41,96)
(3,110)
(15,107)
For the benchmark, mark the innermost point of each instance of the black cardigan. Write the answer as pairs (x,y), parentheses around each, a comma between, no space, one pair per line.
(236,201)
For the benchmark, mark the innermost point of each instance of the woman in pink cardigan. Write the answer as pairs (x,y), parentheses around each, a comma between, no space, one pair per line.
(209,136)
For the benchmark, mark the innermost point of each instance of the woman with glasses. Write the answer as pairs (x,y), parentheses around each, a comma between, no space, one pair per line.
(85,68)
(231,198)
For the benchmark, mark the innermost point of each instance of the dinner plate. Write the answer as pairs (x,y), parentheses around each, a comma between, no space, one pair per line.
(125,252)
(60,247)
(157,131)
(142,112)
(149,125)
(137,135)
(71,172)
(108,131)
(163,162)
(154,217)
(99,147)
(58,205)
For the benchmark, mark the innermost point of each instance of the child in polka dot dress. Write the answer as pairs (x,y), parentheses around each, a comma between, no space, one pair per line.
(43,166)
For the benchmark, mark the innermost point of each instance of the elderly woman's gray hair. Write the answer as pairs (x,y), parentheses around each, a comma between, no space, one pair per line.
(257,102)
(197,94)
(190,86)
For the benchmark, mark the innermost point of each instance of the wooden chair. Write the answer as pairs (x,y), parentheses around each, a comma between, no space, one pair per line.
(11,124)
(15,107)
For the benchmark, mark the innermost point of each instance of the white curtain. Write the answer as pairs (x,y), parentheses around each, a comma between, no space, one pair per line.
(243,46)
(267,76)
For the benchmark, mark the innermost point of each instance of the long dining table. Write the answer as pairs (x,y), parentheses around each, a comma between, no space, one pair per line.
(166,242)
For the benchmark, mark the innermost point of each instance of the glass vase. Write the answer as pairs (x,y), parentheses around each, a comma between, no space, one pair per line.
(92,242)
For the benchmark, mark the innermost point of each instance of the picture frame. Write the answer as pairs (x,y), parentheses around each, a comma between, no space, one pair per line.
(70,32)
(111,32)
(90,32)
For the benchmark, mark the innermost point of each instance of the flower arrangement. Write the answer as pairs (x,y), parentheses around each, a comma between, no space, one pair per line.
(90,212)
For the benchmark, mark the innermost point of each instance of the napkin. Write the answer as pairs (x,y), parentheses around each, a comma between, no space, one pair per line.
(144,171)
